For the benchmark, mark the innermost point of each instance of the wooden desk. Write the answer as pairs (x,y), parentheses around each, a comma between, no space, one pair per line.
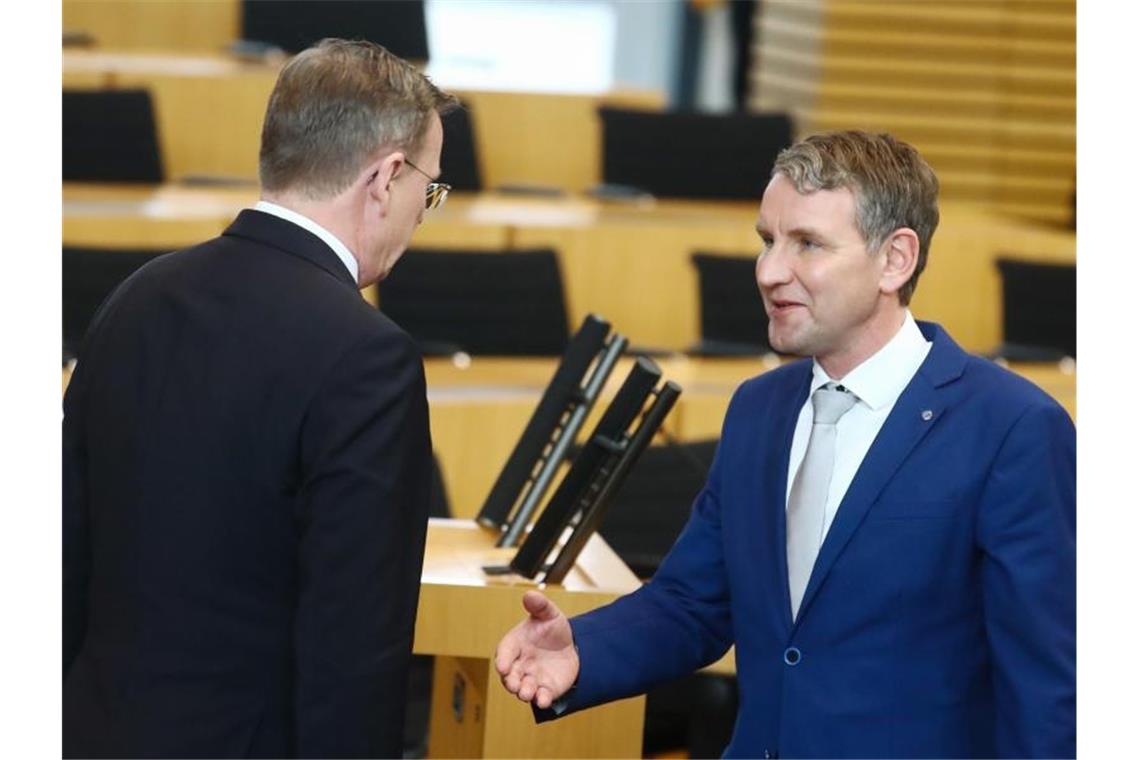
(462,615)
(627,262)
(141,24)
(548,139)
(146,216)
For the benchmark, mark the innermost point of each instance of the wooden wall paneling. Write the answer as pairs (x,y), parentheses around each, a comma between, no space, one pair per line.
(986,90)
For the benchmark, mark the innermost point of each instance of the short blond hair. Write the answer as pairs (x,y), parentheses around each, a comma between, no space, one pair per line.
(333,107)
(892,183)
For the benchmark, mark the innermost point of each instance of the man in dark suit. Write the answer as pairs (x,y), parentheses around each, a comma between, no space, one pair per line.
(246,451)
(887,533)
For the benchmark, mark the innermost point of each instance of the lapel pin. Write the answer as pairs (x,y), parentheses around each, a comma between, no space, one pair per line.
(927,415)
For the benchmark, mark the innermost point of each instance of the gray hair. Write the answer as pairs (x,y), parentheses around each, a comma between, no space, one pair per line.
(893,185)
(335,105)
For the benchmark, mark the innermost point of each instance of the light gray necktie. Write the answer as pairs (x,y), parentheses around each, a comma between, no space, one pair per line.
(808,498)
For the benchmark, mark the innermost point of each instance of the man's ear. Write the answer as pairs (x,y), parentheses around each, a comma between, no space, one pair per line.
(378,178)
(901,258)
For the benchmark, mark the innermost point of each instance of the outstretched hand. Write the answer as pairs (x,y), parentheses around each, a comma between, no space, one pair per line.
(536,660)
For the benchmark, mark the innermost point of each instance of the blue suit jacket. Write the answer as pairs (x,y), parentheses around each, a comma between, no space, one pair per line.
(940,616)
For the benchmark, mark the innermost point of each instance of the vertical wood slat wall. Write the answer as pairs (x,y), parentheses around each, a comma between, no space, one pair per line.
(985,89)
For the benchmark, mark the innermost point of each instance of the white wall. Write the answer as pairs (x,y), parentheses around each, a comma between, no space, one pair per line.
(554,45)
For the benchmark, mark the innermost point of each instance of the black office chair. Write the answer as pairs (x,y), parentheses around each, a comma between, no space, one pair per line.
(89,276)
(692,155)
(733,320)
(460,158)
(653,504)
(504,304)
(110,136)
(1039,310)
(294,25)
(648,513)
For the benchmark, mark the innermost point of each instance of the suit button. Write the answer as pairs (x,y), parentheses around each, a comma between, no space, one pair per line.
(770,754)
(791,656)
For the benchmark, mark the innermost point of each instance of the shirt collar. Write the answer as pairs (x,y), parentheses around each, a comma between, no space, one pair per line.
(881,379)
(331,240)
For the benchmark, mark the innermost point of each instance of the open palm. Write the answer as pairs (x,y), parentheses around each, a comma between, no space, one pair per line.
(537,660)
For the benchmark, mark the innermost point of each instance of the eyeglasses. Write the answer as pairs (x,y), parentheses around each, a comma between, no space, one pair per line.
(436,192)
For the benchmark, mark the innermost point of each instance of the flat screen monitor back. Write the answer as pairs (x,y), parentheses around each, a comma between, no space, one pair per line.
(294,25)
(562,389)
(587,467)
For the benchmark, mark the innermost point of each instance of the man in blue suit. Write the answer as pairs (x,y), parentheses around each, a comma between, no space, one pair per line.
(887,533)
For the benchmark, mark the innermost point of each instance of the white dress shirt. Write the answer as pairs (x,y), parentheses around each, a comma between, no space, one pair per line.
(331,240)
(877,382)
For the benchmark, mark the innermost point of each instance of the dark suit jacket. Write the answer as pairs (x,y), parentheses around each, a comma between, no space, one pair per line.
(246,468)
(940,616)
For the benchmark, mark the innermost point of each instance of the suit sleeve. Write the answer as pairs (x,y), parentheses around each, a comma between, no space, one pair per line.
(1027,531)
(76,524)
(366,463)
(678,622)
(76,492)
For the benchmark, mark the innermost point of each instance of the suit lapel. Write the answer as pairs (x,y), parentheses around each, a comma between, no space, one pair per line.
(917,410)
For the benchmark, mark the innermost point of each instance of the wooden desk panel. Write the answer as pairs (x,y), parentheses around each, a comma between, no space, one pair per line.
(548,139)
(455,554)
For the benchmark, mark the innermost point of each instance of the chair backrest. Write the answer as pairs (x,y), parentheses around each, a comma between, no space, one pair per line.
(110,136)
(1039,308)
(692,155)
(733,320)
(654,503)
(438,503)
(89,276)
(493,303)
(460,158)
(294,25)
